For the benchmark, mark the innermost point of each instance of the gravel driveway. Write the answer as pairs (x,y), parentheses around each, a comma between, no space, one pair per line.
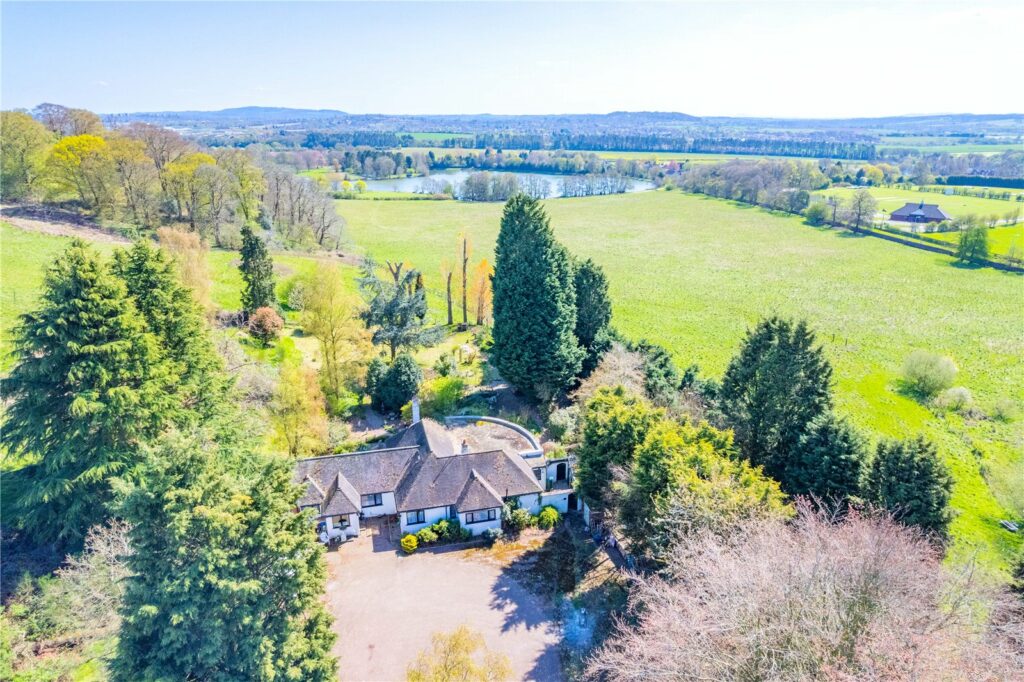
(386,607)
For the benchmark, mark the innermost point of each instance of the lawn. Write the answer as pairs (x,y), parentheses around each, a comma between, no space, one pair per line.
(1000,239)
(891,198)
(693,273)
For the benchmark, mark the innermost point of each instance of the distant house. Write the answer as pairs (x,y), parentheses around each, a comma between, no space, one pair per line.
(919,213)
(429,472)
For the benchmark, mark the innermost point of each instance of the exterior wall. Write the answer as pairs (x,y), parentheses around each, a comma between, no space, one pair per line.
(353,525)
(557,499)
(387,506)
(477,528)
(432,515)
(531,502)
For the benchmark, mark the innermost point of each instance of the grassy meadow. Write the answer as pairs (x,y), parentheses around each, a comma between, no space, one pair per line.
(1000,239)
(891,198)
(693,273)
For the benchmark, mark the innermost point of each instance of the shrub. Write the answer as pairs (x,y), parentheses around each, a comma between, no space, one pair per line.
(816,214)
(520,519)
(426,536)
(446,365)
(927,373)
(442,395)
(563,424)
(265,325)
(464,534)
(409,543)
(443,529)
(492,535)
(483,339)
(957,399)
(548,517)
(296,292)
(396,386)
(1004,410)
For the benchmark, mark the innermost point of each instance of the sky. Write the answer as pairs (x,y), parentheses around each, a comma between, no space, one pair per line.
(775,59)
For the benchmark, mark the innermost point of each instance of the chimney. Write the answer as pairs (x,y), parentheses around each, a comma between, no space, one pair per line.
(415,410)
(465,447)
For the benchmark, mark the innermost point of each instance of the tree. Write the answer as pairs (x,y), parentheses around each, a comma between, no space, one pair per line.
(613,424)
(89,386)
(684,470)
(925,374)
(23,145)
(137,177)
(394,387)
(246,181)
(593,308)
(395,311)
(453,657)
(816,214)
(226,578)
(861,208)
(447,272)
(828,462)
(66,122)
(480,289)
(300,420)
(464,262)
(82,164)
(185,183)
(776,385)
(257,272)
(331,315)
(908,478)
(189,256)
(265,325)
(172,314)
(535,346)
(972,246)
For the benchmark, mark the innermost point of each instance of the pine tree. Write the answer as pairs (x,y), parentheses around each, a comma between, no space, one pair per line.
(173,315)
(90,385)
(535,346)
(829,461)
(775,386)
(257,271)
(593,309)
(908,478)
(226,577)
(395,311)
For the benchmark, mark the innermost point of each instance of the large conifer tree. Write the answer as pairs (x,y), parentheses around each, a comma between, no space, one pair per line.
(908,478)
(828,462)
(593,310)
(227,578)
(257,271)
(535,346)
(89,386)
(778,383)
(173,315)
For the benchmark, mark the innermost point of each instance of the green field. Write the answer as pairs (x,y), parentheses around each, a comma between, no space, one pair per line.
(1000,239)
(891,198)
(947,145)
(660,157)
(694,273)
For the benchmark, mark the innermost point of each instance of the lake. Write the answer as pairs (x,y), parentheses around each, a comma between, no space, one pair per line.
(455,177)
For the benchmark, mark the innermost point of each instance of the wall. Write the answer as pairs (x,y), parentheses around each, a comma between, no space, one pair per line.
(477,528)
(432,515)
(531,502)
(559,500)
(353,525)
(388,506)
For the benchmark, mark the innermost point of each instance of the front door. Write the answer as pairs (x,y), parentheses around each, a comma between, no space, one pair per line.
(560,471)
(572,502)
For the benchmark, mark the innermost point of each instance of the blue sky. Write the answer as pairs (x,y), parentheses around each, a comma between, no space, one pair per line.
(725,58)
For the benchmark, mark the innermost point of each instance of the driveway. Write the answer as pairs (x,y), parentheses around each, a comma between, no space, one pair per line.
(387,605)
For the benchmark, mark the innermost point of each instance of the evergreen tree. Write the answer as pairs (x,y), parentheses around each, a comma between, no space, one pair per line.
(778,383)
(593,310)
(908,478)
(257,271)
(395,311)
(226,578)
(535,346)
(173,315)
(828,462)
(613,424)
(397,385)
(90,385)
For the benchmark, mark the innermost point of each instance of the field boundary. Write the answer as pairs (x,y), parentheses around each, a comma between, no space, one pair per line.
(917,244)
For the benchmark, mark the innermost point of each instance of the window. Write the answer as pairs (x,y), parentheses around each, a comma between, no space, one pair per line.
(373,500)
(340,521)
(413,517)
(539,473)
(481,516)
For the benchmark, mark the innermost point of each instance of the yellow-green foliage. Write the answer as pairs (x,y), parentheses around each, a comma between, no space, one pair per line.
(409,543)
(441,395)
(548,517)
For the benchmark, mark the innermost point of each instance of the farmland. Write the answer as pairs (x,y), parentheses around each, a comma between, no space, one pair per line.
(694,273)
(1000,239)
(891,198)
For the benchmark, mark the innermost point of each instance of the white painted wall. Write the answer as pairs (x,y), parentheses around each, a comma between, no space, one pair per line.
(387,506)
(477,528)
(559,500)
(353,524)
(431,516)
(530,502)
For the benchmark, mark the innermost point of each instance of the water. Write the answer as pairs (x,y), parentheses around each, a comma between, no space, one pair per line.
(456,177)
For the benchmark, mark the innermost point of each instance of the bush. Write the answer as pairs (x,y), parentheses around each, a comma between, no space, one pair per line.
(442,395)
(548,517)
(563,424)
(927,373)
(464,534)
(265,325)
(396,386)
(296,293)
(1004,410)
(426,536)
(816,214)
(492,535)
(957,399)
(446,365)
(520,519)
(409,544)
(444,529)
(483,339)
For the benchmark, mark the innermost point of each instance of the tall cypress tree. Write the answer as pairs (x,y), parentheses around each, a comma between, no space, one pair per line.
(778,383)
(908,478)
(535,346)
(593,309)
(173,315)
(90,385)
(257,271)
(226,577)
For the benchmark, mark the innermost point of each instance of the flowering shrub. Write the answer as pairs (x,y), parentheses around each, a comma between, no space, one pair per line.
(409,544)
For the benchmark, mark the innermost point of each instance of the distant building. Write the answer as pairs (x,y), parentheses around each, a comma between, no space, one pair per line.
(919,213)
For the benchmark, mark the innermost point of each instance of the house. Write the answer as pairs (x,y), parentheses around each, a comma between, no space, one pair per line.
(466,469)
(919,213)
